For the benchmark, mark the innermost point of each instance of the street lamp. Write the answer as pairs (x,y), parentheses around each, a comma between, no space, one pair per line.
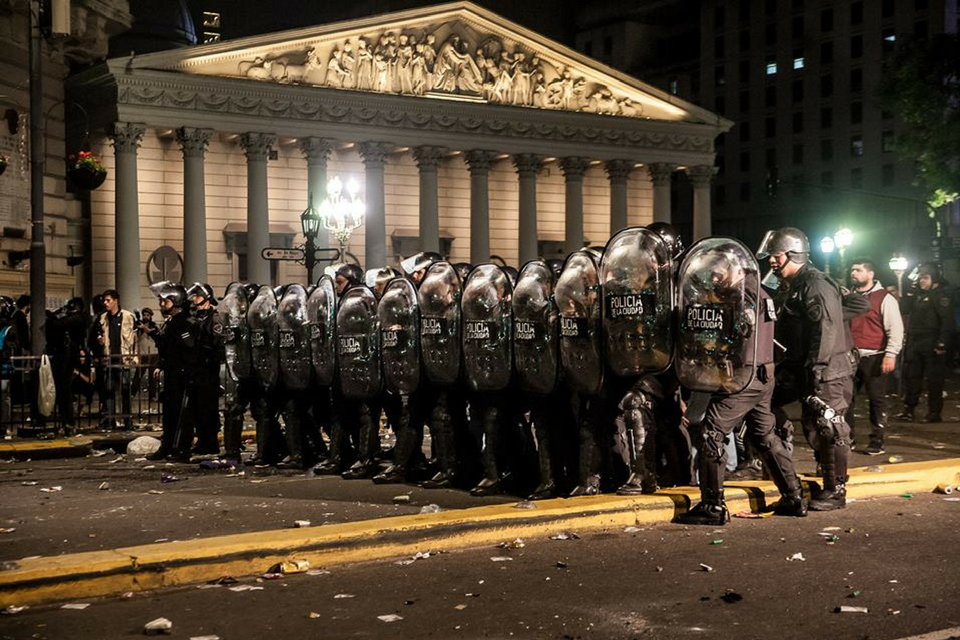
(843,239)
(826,246)
(898,264)
(310,225)
(342,213)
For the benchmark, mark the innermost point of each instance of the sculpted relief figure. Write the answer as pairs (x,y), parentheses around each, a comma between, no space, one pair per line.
(381,66)
(405,65)
(419,75)
(364,65)
(455,70)
(336,73)
(258,69)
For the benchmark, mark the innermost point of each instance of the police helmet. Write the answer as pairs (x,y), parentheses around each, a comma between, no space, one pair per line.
(419,262)
(556,266)
(788,240)
(349,271)
(932,269)
(173,291)
(203,290)
(670,235)
(463,269)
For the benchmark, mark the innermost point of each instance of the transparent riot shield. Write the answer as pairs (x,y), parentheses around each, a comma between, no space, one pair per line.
(636,278)
(718,292)
(399,313)
(536,325)
(294,338)
(487,327)
(440,346)
(358,344)
(262,320)
(577,296)
(322,319)
(236,334)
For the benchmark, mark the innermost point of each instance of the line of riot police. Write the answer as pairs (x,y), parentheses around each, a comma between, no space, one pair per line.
(567,378)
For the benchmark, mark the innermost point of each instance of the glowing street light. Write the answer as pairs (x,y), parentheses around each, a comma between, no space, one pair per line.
(342,213)
(898,264)
(843,239)
(827,246)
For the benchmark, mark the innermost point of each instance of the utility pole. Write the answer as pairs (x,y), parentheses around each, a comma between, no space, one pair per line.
(38,250)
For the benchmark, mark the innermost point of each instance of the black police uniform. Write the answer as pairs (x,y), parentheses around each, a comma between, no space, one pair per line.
(925,352)
(210,353)
(817,362)
(751,405)
(177,345)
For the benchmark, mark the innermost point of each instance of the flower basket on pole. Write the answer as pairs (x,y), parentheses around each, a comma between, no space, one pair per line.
(86,171)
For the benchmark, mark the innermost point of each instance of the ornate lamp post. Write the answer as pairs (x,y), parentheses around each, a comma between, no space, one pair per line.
(826,246)
(342,213)
(843,239)
(898,264)
(310,225)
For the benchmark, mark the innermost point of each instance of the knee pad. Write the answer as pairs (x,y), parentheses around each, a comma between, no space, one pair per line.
(712,445)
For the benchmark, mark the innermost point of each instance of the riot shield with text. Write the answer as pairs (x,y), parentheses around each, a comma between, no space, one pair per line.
(399,313)
(322,319)
(236,333)
(577,296)
(358,344)
(294,338)
(636,279)
(716,340)
(487,318)
(440,348)
(262,320)
(535,329)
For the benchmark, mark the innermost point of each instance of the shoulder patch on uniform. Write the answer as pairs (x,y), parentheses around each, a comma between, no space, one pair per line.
(944,301)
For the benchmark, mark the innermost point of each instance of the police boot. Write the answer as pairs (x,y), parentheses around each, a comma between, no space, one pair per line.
(490,484)
(403,451)
(643,477)
(589,484)
(834,493)
(369,439)
(547,488)
(907,415)
(589,487)
(711,510)
(780,467)
(441,437)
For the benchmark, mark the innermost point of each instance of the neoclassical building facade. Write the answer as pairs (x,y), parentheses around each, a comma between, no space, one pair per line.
(467,134)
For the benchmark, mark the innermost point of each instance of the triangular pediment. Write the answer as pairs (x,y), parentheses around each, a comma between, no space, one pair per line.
(456,51)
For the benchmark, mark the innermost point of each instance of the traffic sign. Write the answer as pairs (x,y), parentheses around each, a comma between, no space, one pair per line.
(277,253)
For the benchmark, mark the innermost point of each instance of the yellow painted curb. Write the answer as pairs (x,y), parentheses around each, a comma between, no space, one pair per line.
(139,568)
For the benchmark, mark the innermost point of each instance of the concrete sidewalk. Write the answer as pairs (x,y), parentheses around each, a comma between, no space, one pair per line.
(112,572)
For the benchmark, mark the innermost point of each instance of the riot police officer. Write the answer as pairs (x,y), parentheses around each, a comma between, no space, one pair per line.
(816,365)
(241,387)
(210,356)
(177,346)
(930,307)
(727,324)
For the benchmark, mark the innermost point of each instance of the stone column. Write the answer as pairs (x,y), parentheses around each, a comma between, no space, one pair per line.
(479,162)
(317,151)
(126,140)
(374,155)
(660,174)
(573,168)
(193,144)
(618,172)
(257,147)
(428,160)
(528,165)
(701,176)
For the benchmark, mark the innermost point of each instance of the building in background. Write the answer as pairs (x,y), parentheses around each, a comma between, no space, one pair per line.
(811,146)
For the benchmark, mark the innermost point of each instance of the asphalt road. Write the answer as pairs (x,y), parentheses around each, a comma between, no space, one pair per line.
(894,556)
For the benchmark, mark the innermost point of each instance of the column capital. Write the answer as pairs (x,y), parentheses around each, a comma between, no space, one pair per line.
(479,161)
(374,154)
(428,158)
(528,164)
(660,173)
(573,167)
(618,170)
(257,145)
(193,141)
(127,136)
(701,175)
(315,149)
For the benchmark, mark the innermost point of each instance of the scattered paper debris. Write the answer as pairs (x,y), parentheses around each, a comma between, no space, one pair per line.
(78,606)
(501,558)
(300,524)
(514,544)
(561,564)
(28,483)
(845,609)
(632,529)
(289,566)
(205,638)
(148,467)
(258,481)
(104,486)
(717,541)
(155,492)
(431,508)
(167,478)
(12,609)
(99,453)
(525,504)
(116,460)
(706,567)
(341,596)
(460,607)
(831,529)
(895,459)
(7,529)
(564,535)
(158,627)
(318,572)
(51,489)
(313,615)
(390,617)
(223,580)
(944,489)
(246,587)
(747,514)
(401,499)
(796,557)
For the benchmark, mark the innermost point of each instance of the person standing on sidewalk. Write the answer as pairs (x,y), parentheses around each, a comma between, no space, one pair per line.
(878,336)
(119,340)
(930,307)
(207,375)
